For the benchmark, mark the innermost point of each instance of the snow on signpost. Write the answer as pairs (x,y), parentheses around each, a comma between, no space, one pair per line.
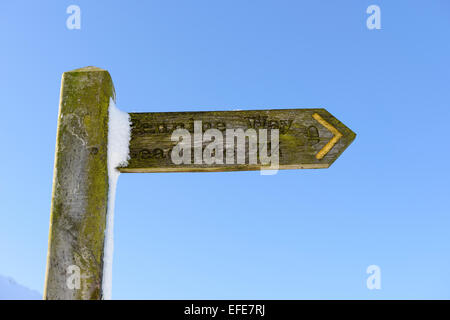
(96,141)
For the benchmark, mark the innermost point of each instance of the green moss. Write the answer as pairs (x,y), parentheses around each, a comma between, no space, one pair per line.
(80,195)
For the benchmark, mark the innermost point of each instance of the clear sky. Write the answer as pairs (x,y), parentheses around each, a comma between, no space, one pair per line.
(296,235)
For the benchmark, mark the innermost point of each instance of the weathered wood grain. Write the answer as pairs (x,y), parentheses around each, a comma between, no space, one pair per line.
(308,138)
(301,138)
(80,185)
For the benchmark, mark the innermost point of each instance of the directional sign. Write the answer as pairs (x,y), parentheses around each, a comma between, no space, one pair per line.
(79,254)
(308,138)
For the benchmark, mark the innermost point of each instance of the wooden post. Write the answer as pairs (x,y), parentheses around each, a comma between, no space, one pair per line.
(305,139)
(80,187)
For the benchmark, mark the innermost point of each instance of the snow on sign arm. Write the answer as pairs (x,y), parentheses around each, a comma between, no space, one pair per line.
(96,141)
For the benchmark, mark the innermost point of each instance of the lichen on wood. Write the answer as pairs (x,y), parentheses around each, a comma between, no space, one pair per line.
(80,185)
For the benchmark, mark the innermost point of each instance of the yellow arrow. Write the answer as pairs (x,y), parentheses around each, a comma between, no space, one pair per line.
(332,142)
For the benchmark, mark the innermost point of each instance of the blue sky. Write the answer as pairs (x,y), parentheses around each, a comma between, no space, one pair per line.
(300,234)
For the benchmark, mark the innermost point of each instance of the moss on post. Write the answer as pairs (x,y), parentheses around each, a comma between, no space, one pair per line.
(80,186)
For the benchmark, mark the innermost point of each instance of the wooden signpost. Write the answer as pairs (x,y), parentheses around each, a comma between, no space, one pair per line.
(306,139)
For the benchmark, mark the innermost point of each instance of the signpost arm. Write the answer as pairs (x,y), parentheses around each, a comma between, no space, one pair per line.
(80,187)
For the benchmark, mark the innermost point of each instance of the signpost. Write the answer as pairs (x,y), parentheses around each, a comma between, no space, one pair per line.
(160,142)
(308,138)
